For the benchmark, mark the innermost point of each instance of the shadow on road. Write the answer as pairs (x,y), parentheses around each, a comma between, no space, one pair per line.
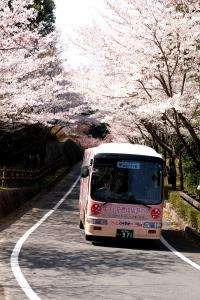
(59,244)
(183,242)
(2,295)
(146,245)
(96,260)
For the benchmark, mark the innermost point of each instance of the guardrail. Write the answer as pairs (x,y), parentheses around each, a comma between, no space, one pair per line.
(19,174)
(190,200)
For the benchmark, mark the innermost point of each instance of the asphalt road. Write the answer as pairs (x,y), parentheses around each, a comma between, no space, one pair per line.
(56,262)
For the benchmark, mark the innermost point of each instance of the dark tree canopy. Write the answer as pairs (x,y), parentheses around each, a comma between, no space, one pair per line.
(99,131)
(45,15)
(20,143)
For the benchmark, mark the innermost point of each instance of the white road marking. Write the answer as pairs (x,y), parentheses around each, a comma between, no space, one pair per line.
(181,256)
(14,260)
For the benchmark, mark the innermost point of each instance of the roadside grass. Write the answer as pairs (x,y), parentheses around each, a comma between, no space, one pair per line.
(185,211)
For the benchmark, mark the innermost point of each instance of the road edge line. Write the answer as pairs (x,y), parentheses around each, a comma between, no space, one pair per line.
(181,256)
(14,259)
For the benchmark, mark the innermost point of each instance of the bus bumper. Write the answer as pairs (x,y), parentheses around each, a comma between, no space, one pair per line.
(93,232)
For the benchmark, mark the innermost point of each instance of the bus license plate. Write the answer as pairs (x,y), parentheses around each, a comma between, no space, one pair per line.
(126,234)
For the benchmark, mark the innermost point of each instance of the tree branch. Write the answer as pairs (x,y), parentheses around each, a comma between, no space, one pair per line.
(144,88)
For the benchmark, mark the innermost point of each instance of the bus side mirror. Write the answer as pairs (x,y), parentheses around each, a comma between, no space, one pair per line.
(85,172)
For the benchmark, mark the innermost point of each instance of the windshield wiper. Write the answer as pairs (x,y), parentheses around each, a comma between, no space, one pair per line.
(149,207)
(107,200)
(138,202)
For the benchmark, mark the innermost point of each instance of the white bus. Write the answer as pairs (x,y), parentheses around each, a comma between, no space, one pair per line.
(121,192)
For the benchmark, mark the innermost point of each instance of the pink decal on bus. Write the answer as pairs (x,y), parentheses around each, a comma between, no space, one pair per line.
(96,209)
(155,213)
(123,211)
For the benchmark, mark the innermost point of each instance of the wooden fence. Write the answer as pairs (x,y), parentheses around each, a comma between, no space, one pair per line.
(8,175)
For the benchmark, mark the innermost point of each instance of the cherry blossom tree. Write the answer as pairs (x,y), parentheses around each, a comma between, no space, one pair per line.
(143,79)
(34,85)
(35,89)
(14,25)
(146,71)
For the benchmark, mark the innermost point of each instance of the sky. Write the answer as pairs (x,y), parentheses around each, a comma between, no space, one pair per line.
(72,15)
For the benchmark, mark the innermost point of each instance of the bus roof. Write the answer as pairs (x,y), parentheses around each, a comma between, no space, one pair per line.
(126,148)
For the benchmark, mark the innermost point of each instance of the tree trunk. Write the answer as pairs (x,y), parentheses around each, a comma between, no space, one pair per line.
(181,171)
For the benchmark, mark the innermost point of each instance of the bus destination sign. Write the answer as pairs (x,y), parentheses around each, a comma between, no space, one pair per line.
(128,165)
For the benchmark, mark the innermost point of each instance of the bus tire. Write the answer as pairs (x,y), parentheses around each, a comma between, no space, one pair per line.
(87,237)
(81,224)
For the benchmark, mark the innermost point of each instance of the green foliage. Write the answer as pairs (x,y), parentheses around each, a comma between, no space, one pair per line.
(45,15)
(195,219)
(191,175)
(188,213)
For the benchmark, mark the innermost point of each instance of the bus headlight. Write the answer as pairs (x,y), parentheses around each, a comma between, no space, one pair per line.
(97,221)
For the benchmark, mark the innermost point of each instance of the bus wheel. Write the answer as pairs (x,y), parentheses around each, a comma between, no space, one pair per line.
(81,225)
(88,237)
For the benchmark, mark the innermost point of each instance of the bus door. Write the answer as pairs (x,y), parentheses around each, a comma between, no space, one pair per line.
(84,186)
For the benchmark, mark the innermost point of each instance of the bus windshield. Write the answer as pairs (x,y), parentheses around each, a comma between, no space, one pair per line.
(131,181)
